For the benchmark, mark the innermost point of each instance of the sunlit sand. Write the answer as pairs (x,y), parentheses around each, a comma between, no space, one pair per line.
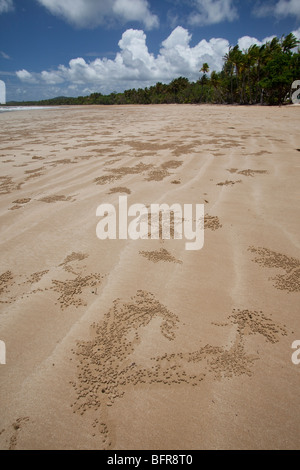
(122,344)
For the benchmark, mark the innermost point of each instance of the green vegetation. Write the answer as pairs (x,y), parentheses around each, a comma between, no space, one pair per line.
(259,75)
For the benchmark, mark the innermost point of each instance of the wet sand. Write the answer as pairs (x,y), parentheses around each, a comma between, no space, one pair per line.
(123,344)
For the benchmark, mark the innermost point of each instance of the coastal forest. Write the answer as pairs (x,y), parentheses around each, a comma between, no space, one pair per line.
(259,75)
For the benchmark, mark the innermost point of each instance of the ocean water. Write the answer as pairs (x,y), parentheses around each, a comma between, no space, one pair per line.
(4,109)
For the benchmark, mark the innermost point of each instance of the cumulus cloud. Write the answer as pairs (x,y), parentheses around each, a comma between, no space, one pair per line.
(213,12)
(246,41)
(288,7)
(297,33)
(136,10)
(26,76)
(6,6)
(51,78)
(134,66)
(280,9)
(91,13)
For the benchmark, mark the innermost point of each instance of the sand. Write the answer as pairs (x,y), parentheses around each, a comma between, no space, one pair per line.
(123,344)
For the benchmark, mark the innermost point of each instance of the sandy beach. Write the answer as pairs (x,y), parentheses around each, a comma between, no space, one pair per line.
(123,344)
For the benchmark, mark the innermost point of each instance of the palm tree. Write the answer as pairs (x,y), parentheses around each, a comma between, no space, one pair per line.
(252,60)
(289,42)
(204,69)
(177,85)
(229,68)
(238,63)
(215,80)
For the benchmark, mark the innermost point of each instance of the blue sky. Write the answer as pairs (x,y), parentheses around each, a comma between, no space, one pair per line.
(51,48)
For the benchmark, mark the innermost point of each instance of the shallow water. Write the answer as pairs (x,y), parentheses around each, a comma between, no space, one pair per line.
(4,109)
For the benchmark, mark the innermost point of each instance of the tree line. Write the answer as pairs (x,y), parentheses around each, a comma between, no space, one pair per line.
(259,75)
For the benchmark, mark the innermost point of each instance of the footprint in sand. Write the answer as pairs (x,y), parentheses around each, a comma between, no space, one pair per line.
(6,281)
(64,161)
(160,255)
(74,257)
(119,189)
(248,172)
(19,203)
(22,201)
(229,183)
(34,173)
(57,198)
(112,162)
(7,185)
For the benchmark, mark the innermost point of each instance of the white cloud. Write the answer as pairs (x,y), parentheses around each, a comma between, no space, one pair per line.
(136,10)
(280,9)
(91,13)
(176,54)
(6,6)
(26,76)
(51,78)
(213,12)
(4,55)
(297,33)
(288,7)
(134,66)
(246,41)
(178,37)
